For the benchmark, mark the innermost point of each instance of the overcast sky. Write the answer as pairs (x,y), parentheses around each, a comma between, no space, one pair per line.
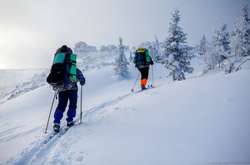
(31,30)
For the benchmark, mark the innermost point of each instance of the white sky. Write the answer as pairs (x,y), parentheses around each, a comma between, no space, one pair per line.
(31,30)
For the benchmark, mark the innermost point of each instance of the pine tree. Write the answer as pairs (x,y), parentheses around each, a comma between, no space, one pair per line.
(131,56)
(121,67)
(240,37)
(157,51)
(176,52)
(203,46)
(207,53)
(210,57)
(221,44)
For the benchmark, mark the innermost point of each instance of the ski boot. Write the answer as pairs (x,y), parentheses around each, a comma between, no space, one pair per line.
(56,128)
(143,87)
(70,123)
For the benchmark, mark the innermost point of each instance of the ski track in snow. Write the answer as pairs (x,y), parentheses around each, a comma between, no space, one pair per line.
(38,151)
(4,132)
(10,134)
(94,110)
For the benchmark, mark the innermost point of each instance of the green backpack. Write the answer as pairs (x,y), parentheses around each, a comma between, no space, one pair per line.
(58,71)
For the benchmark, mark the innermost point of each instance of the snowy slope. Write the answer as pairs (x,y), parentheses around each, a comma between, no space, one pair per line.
(11,77)
(15,82)
(198,121)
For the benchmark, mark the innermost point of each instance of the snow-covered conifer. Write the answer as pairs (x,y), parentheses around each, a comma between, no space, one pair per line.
(157,48)
(240,37)
(203,46)
(121,65)
(176,51)
(221,44)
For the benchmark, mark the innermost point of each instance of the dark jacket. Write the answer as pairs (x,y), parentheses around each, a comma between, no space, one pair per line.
(80,76)
(73,86)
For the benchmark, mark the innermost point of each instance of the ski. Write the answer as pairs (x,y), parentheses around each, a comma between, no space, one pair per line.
(59,134)
(142,90)
(54,135)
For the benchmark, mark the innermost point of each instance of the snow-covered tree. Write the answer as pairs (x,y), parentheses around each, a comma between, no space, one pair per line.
(131,57)
(108,48)
(121,66)
(203,46)
(240,37)
(210,57)
(225,40)
(176,51)
(221,44)
(157,49)
(132,54)
(83,48)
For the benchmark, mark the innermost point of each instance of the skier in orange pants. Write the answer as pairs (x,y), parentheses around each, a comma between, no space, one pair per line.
(142,62)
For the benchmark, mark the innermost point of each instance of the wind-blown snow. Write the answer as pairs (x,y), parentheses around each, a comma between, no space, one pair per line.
(203,120)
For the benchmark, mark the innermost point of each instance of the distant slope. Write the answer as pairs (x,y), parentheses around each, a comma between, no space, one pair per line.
(15,82)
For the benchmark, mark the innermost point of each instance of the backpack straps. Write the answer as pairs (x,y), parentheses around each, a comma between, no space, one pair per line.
(147,56)
(72,70)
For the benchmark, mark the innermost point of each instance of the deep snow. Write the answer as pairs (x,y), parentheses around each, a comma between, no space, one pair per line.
(203,120)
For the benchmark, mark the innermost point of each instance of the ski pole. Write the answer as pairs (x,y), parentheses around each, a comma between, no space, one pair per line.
(152,71)
(152,76)
(132,90)
(50,112)
(81,108)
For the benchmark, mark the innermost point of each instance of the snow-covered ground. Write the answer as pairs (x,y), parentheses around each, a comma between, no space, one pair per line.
(203,120)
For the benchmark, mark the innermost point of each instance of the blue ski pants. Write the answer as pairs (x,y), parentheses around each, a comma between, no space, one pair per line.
(64,97)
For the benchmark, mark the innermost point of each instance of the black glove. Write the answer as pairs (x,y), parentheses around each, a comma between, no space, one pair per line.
(82,82)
